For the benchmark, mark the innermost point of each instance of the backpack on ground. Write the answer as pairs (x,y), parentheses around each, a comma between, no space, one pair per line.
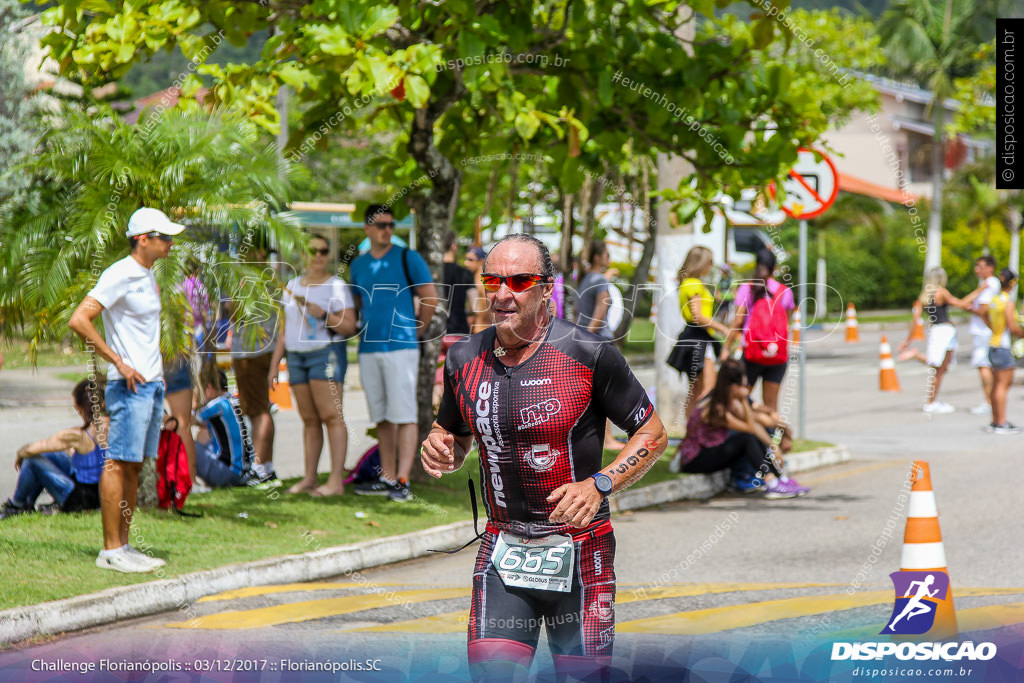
(767,335)
(174,480)
(367,469)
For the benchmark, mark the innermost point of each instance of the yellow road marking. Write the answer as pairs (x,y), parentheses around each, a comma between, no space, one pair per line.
(251,591)
(455,622)
(739,616)
(974,619)
(314,609)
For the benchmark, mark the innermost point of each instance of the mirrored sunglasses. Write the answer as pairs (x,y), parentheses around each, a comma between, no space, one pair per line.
(520,282)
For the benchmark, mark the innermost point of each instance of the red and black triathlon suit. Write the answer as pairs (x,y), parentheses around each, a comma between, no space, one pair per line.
(540,425)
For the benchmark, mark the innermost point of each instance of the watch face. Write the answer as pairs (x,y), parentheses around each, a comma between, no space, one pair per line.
(604,483)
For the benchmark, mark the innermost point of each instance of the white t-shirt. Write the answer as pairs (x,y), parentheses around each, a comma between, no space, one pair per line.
(130,298)
(992,287)
(304,332)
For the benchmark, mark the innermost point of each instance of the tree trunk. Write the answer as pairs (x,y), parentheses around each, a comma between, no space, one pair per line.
(569,284)
(433,219)
(933,258)
(643,269)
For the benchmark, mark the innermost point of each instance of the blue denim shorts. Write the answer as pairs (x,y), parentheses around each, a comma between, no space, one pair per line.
(178,375)
(329,364)
(1000,358)
(135,419)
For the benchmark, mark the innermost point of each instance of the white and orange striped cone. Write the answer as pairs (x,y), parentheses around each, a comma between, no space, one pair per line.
(887,379)
(922,546)
(917,333)
(280,394)
(795,327)
(852,333)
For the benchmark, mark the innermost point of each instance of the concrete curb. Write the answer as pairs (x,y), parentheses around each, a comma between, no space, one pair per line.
(126,602)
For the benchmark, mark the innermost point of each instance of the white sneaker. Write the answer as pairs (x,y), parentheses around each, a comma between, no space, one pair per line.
(143,558)
(981,409)
(199,487)
(123,562)
(938,407)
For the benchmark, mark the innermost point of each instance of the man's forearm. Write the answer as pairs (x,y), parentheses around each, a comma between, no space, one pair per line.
(641,452)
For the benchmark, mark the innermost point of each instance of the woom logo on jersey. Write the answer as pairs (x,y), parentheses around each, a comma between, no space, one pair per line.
(535,382)
(541,457)
(539,413)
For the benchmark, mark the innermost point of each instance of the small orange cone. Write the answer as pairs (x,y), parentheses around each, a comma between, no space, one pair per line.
(795,327)
(922,546)
(280,394)
(887,380)
(852,333)
(917,333)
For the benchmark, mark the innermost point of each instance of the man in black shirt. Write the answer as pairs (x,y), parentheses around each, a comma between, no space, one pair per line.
(535,392)
(458,281)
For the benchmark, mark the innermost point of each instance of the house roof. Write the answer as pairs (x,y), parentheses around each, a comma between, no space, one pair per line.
(849,183)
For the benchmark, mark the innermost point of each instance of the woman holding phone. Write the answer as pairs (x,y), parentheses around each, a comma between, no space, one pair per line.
(318,315)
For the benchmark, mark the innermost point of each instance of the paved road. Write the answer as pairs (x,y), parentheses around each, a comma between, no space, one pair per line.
(715,577)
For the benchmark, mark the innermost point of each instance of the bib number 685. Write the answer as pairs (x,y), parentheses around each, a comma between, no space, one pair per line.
(547,561)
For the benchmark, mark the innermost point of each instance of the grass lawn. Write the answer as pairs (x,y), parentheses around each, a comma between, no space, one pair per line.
(17,354)
(53,557)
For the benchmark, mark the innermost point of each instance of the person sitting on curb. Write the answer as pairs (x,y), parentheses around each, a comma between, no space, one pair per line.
(224,448)
(72,480)
(725,432)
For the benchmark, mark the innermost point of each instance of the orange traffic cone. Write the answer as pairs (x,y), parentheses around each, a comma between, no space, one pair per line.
(795,327)
(917,333)
(852,333)
(922,546)
(887,380)
(280,394)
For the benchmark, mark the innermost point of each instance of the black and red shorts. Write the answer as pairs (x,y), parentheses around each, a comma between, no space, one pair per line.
(580,622)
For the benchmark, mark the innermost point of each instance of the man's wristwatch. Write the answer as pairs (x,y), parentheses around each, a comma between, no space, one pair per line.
(603,483)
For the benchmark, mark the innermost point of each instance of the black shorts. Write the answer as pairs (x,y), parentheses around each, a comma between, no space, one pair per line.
(690,350)
(767,373)
(82,497)
(517,613)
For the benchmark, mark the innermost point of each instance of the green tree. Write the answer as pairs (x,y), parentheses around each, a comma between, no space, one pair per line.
(936,42)
(459,79)
(16,134)
(92,171)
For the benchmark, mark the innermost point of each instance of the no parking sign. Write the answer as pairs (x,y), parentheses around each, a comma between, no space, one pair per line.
(811,186)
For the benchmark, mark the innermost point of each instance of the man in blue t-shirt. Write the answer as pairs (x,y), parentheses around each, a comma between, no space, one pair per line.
(384,281)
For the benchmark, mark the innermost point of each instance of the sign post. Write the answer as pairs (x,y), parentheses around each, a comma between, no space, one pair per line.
(811,188)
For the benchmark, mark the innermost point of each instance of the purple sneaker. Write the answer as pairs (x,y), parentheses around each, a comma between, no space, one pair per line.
(784,487)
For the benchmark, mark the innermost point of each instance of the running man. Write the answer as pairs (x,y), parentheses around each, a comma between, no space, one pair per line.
(914,606)
(535,391)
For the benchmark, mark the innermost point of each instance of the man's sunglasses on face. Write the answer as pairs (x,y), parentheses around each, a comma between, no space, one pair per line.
(313,251)
(160,236)
(384,225)
(520,282)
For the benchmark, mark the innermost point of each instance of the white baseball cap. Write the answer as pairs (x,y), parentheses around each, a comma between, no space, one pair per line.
(151,220)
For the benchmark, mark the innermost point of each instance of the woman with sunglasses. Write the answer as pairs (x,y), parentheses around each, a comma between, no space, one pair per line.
(724,432)
(318,315)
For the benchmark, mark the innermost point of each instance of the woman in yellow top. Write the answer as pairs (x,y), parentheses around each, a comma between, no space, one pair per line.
(1002,318)
(695,350)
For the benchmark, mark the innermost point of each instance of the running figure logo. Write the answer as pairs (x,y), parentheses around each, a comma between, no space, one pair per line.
(918,595)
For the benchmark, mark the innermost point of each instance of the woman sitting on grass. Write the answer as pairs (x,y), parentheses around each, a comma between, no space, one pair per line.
(72,480)
(725,431)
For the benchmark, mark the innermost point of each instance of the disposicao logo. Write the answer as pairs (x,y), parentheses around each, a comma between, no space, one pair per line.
(918,595)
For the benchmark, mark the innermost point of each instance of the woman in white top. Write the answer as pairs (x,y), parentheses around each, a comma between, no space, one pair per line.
(318,315)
